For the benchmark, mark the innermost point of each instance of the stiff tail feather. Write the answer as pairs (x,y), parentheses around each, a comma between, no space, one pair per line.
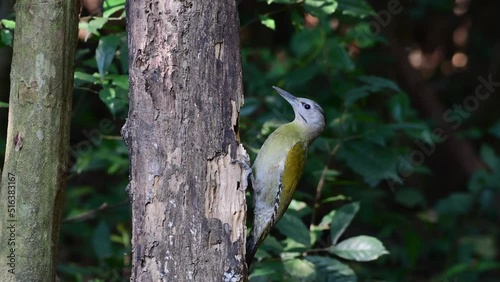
(254,241)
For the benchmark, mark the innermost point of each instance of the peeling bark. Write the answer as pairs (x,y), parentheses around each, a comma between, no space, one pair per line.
(188,209)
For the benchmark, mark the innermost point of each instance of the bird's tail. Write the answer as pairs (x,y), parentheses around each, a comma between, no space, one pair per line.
(254,241)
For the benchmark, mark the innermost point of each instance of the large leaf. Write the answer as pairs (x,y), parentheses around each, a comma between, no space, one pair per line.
(409,197)
(360,248)
(299,270)
(101,241)
(456,203)
(105,52)
(294,229)
(338,56)
(371,160)
(372,84)
(342,218)
(331,270)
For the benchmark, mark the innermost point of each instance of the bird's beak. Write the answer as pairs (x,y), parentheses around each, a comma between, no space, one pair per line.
(287,96)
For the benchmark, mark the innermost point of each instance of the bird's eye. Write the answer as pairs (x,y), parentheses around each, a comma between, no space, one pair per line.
(307,106)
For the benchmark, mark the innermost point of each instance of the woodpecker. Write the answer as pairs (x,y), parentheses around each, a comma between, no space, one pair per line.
(278,167)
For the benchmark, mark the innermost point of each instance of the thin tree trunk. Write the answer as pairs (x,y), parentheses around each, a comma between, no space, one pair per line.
(33,178)
(188,209)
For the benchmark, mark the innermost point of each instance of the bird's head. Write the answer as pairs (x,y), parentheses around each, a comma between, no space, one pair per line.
(307,112)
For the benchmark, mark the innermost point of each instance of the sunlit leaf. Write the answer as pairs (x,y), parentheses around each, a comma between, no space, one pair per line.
(268,22)
(299,270)
(321,7)
(342,218)
(8,24)
(359,248)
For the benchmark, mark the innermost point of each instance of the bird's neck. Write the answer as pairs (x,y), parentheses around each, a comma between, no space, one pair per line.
(308,132)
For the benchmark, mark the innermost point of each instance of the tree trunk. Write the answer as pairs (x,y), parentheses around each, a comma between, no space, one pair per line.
(33,179)
(188,209)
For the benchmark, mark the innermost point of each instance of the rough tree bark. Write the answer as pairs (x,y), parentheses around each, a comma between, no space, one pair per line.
(188,209)
(33,178)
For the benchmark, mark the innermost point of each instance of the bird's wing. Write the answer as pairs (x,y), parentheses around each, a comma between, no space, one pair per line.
(287,182)
(292,171)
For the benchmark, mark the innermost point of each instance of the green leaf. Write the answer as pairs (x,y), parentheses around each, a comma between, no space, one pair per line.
(8,24)
(105,52)
(373,84)
(363,36)
(299,270)
(294,228)
(489,157)
(269,2)
(326,221)
(268,22)
(112,6)
(355,8)
(331,270)
(400,108)
(119,80)
(84,78)
(320,8)
(409,197)
(359,248)
(93,26)
(355,94)
(101,241)
(6,37)
(4,105)
(339,57)
(306,41)
(495,130)
(456,203)
(115,98)
(379,83)
(267,270)
(371,160)
(342,218)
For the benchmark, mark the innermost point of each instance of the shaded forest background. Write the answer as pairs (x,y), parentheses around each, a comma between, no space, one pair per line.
(410,94)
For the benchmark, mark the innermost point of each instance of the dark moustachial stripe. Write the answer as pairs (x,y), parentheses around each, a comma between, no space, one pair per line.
(303,118)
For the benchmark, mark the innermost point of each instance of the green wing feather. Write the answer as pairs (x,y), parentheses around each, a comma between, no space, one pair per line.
(292,172)
(288,180)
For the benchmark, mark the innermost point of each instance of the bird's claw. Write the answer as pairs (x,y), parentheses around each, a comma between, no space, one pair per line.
(244,161)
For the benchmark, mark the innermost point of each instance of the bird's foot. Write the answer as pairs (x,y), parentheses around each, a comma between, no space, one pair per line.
(244,161)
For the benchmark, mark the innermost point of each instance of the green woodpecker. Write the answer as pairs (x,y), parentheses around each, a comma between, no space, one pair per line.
(278,166)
